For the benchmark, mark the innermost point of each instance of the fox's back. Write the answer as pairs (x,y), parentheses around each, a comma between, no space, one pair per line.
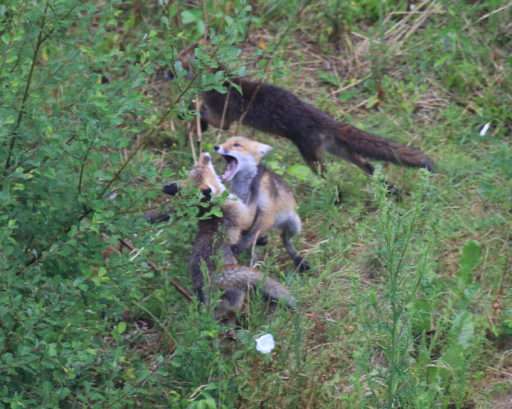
(275,195)
(277,111)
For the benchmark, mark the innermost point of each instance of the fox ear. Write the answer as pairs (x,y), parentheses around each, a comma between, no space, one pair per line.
(264,149)
(204,158)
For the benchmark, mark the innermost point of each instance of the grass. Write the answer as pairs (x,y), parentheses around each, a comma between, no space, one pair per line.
(366,335)
(408,303)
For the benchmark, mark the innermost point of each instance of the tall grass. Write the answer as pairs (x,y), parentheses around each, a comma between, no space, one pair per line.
(408,302)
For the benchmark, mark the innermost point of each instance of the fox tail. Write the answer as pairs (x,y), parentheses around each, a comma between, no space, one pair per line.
(244,278)
(376,147)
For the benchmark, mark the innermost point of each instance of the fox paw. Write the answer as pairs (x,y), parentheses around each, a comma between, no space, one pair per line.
(302,265)
(171,189)
(262,241)
(392,191)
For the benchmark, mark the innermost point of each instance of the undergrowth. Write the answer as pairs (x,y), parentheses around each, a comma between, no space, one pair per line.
(408,302)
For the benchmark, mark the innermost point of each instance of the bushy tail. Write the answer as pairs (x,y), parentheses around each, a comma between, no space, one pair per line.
(245,278)
(376,147)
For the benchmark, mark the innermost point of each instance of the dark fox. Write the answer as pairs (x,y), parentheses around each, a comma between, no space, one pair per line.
(276,111)
(213,240)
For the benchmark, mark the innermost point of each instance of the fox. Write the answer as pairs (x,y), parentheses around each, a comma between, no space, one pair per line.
(232,279)
(265,193)
(279,112)
(238,216)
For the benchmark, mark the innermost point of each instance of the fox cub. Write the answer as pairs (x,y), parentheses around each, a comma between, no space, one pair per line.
(266,195)
(276,111)
(233,279)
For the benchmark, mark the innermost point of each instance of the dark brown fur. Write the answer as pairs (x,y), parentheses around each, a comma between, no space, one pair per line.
(277,111)
(212,253)
(209,243)
(234,280)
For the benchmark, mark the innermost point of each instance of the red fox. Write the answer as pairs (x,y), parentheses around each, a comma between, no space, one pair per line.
(233,279)
(265,194)
(276,111)
(238,216)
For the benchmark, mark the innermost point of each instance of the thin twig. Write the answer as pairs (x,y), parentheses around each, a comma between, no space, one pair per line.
(191,141)
(267,67)
(82,167)
(353,84)
(506,6)
(198,124)
(223,117)
(205,19)
(146,137)
(39,43)
(128,244)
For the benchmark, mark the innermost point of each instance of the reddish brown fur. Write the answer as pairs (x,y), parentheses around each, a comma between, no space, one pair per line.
(268,197)
(233,279)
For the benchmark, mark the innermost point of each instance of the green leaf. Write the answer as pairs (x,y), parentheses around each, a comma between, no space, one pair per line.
(52,349)
(209,401)
(348,95)
(172,11)
(144,374)
(372,101)
(187,17)
(121,327)
(463,329)
(328,78)
(469,260)
(5,38)
(300,171)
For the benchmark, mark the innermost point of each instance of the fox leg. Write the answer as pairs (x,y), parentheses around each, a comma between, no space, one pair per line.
(248,240)
(262,241)
(350,156)
(360,163)
(291,226)
(313,156)
(260,226)
(301,264)
(368,168)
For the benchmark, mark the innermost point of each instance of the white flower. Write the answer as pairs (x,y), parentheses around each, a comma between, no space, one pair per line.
(265,344)
(485,128)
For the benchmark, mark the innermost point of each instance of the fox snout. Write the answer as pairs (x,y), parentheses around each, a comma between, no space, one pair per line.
(221,150)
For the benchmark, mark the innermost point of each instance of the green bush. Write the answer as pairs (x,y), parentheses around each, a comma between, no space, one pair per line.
(74,180)
(404,301)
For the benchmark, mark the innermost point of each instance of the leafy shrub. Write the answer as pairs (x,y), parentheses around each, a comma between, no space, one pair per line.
(75,116)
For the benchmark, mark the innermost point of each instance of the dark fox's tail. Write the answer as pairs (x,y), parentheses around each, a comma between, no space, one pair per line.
(376,147)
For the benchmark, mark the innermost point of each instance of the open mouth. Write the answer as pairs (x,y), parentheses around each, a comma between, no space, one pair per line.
(230,169)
